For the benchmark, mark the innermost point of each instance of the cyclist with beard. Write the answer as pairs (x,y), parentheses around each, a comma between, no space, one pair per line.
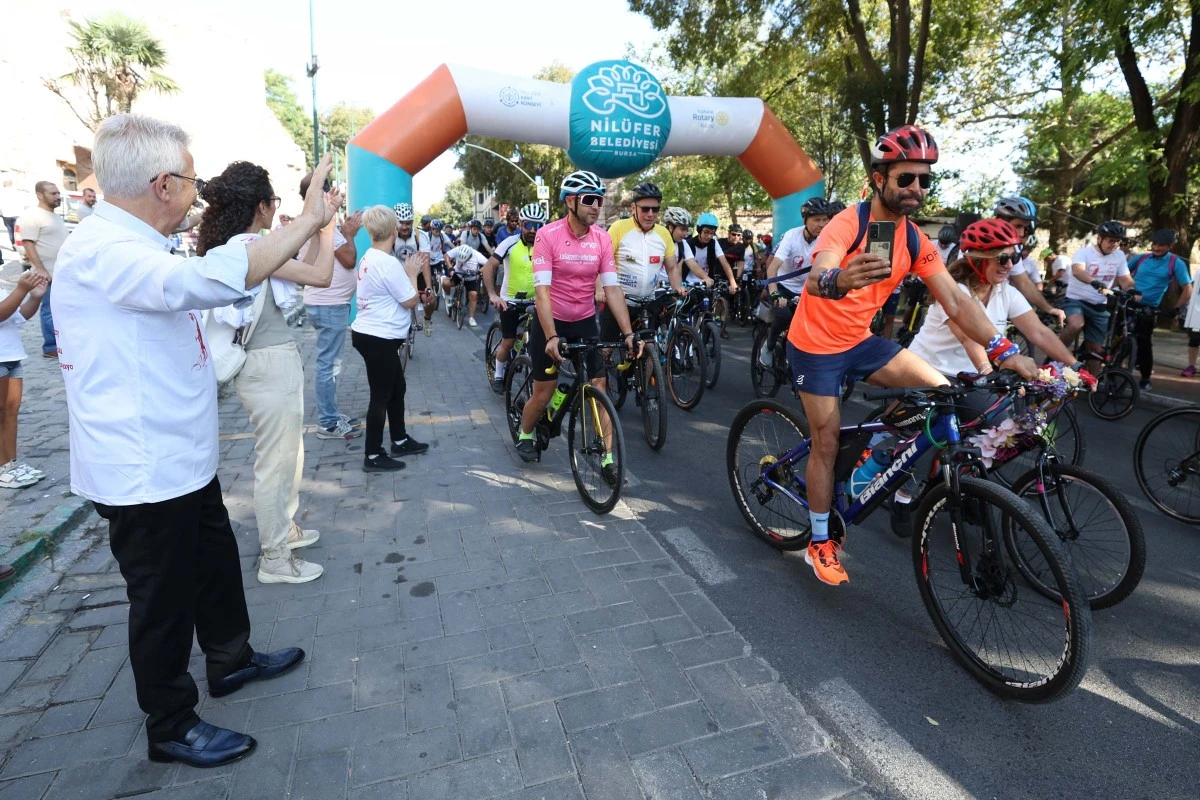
(409,243)
(516,253)
(830,335)
(794,256)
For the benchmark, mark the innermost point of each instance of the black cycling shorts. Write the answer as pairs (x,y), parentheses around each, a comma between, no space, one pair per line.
(578,331)
(510,320)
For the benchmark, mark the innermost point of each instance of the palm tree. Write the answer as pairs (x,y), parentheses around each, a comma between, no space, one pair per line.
(116,57)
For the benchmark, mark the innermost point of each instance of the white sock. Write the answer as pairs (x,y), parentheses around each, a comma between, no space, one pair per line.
(500,367)
(401,442)
(903,498)
(373,457)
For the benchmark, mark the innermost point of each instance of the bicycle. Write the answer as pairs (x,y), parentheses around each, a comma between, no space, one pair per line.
(1116,390)
(968,544)
(1166,463)
(767,380)
(684,362)
(491,343)
(914,313)
(406,347)
(697,311)
(588,437)
(645,377)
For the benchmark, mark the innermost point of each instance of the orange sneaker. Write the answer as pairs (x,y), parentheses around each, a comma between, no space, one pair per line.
(825,559)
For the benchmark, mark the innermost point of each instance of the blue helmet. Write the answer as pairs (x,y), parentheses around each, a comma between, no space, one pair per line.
(707,220)
(437,224)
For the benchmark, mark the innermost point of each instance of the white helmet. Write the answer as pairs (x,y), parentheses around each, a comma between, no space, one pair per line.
(677,216)
(461,254)
(404,212)
(533,212)
(581,182)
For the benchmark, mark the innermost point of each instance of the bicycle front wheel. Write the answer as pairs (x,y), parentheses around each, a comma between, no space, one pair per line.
(1009,636)
(685,367)
(710,335)
(1097,527)
(518,389)
(1115,394)
(1166,462)
(1065,440)
(765,380)
(614,380)
(597,449)
(460,308)
(761,435)
(652,398)
(490,345)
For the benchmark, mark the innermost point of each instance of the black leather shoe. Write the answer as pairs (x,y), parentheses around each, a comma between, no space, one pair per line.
(261,667)
(204,746)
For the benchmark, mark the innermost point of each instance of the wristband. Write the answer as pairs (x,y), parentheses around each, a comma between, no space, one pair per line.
(1007,354)
(552,338)
(1098,286)
(997,351)
(827,285)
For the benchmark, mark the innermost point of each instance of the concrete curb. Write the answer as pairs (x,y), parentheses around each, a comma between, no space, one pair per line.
(57,523)
(1162,401)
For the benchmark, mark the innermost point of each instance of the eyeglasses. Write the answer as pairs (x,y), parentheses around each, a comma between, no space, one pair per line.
(648,209)
(906,178)
(275,201)
(592,200)
(531,226)
(200,182)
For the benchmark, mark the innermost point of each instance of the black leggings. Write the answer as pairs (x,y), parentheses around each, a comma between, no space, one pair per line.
(385,377)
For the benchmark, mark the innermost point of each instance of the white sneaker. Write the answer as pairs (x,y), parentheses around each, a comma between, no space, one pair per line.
(32,472)
(471,322)
(765,358)
(301,538)
(287,569)
(10,478)
(339,431)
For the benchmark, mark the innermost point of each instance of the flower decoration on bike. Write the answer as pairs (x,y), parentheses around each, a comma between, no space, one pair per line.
(1028,427)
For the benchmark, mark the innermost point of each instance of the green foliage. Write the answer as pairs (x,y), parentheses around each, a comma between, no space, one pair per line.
(339,124)
(455,206)
(116,57)
(287,109)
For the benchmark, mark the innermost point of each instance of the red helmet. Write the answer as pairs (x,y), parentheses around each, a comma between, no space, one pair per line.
(906,143)
(989,234)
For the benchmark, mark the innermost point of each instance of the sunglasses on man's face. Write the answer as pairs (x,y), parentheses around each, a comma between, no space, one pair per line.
(531,226)
(649,209)
(905,179)
(592,200)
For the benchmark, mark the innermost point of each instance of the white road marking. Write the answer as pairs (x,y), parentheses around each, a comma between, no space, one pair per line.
(710,568)
(877,745)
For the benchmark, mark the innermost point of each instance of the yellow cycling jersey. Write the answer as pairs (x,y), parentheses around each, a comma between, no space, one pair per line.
(640,256)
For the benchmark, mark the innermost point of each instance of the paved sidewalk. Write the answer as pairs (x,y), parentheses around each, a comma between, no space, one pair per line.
(477,633)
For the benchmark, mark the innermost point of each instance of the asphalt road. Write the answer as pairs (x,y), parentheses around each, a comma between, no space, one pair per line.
(868,662)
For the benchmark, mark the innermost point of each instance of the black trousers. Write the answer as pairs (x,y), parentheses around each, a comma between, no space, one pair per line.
(1143,333)
(180,561)
(385,377)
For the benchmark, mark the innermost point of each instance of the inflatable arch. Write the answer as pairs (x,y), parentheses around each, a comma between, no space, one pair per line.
(613,118)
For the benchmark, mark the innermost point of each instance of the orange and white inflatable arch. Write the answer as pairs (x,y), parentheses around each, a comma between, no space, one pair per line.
(613,118)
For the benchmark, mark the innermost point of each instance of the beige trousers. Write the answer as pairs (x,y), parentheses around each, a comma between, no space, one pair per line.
(271,386)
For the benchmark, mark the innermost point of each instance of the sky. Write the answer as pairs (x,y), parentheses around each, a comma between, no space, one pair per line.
(372,53)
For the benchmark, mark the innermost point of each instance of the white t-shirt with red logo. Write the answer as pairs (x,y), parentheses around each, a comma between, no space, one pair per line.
(795,251)
(1103,268)
(569,265)
(383,285)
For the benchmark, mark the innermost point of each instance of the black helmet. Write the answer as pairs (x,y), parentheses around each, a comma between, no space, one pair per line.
(474,224)
(647,191)
(735,228)
(1112,229)
(1163,236)
(426,219)
(836,207)
(947,236)
(489,221)
(817,206)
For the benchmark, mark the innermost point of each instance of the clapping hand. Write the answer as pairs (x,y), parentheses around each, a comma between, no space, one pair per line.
(33,282)
(320,205)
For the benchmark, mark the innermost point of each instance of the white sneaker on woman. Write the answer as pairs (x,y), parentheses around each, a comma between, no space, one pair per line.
(287,569)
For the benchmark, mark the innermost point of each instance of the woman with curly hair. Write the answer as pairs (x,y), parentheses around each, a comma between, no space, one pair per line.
(241,206)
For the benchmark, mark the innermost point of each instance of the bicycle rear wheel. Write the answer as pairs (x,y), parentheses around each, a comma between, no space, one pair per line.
(460,307)
(1166,463)
(599,484)
(1099,531)
(685,367)
(1065,441)
(710,335)
(1115,394)
(490,345)
(765,380)
(762,433)
(652,399)
(1012,638)
(518,389)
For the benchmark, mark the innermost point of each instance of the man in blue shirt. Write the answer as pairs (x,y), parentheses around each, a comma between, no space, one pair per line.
(1153,274)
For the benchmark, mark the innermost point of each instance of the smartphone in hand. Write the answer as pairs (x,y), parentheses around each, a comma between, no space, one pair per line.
(880,238)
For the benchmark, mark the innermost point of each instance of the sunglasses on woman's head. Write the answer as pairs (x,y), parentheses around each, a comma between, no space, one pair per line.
(596,200)
(531,226)
(905,179)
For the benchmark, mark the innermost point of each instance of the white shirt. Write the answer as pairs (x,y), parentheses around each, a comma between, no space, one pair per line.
(467,261)
(945,250)
(1026,266)
(1103,268)
(795,251)
(382,286)
(83,211)
(938,345)
(11,347)
(685,272)
(417,243)
(141,390)
(340,289)
(1061,264)
(702,257)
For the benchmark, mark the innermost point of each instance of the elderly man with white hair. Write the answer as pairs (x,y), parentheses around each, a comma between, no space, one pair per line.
(142,403)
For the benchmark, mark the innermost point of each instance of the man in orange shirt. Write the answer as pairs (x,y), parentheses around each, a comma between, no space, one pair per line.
(830,338)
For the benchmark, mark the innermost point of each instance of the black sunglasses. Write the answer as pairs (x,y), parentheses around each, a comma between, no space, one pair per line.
(531,226)
(1004,259)
(200,182)
(906,178)
(649,209)
(592,199)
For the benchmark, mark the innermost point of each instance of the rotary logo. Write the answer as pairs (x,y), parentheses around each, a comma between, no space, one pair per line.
(722,118)
(625,86)
(509,96)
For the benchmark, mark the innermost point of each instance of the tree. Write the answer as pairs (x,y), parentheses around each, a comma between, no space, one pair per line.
(116,57)
(483,170)
(455,206)
(287,109)
(340,123)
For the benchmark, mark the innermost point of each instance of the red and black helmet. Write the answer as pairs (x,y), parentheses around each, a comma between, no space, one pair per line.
(906,143)
(989,234)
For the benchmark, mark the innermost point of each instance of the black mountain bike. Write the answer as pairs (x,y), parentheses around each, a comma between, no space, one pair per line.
(1166,461)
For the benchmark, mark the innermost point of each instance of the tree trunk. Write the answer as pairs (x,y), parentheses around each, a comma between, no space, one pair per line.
(1062,186)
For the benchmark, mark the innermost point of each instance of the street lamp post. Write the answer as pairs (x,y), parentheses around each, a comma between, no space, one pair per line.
(512,160)
(311,71)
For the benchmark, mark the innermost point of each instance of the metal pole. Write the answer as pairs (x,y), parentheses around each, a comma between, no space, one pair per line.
(497,155)
(312,73)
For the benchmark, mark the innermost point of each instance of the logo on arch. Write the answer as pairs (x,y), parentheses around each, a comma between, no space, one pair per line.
(620,118)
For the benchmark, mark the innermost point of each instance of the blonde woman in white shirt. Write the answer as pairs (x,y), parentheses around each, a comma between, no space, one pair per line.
(385,296)
(242,204)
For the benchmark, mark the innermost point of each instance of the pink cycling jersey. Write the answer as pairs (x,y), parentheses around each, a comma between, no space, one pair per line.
(569,265)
